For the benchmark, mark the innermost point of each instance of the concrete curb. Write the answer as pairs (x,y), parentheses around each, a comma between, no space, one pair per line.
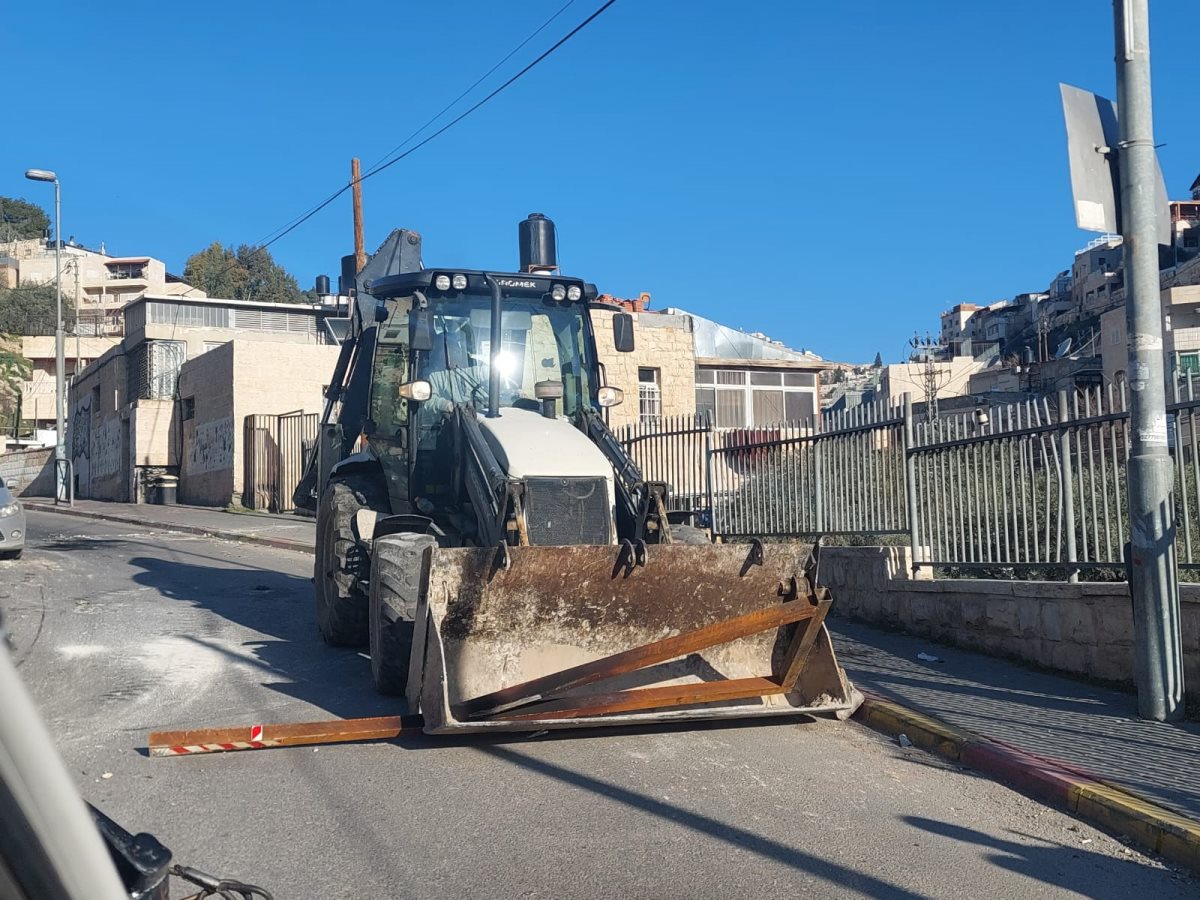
(276,543)
(1162,831)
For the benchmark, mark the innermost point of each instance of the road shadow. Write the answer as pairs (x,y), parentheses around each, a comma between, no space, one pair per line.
(293,659)
(841,878)
(1071,869)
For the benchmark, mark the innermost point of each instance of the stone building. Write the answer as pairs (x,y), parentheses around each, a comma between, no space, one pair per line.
(659,376)
(219,389)
(685,365)
(161,402)
(1181,335)
(100,285)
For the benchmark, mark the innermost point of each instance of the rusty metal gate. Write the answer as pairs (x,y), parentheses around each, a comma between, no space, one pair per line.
(274,458)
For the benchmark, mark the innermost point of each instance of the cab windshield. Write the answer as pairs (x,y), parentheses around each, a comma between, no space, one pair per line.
(541,341)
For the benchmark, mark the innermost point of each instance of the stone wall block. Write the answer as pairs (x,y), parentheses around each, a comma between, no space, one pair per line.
(1029,617)
(1076,621)
(973,611)
(922,610)
(1049,625)
(1002,615)
(1190,626)
(1069,657)
(1113,623)
(1111,663)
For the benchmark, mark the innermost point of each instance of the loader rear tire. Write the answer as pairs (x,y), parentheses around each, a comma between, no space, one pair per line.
(687,534)
(340,575)
(399,570)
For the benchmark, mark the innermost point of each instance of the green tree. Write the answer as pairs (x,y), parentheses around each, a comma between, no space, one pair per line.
(14,369)
(246,273)
(20,220)
(30,309)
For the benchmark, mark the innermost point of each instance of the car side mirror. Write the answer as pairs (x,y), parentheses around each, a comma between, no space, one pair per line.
(623,332)
(11,484)
(420,330)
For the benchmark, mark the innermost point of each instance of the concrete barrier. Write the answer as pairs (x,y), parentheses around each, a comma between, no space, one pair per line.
(1083,629)
(33,471)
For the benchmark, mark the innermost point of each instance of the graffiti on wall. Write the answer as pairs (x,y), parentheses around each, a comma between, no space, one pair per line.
(106,449)
(81,429)
(211,447)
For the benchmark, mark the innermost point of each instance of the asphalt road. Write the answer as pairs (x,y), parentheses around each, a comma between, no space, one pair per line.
(119,632)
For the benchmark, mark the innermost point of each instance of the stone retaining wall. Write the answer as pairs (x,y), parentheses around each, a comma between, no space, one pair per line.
(1083,629)
(33,471)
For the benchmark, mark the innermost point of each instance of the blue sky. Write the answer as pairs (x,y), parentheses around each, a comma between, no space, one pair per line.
(831,174)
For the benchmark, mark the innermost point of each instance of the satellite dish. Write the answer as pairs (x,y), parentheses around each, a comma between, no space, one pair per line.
(1063,349)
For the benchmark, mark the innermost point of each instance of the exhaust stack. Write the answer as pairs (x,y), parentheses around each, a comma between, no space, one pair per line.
(535,236)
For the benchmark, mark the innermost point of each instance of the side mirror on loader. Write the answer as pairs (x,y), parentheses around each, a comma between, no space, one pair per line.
(420,330)
(623,332)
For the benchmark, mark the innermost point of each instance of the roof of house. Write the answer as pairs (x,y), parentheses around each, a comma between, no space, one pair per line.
(315,309)
(716,342)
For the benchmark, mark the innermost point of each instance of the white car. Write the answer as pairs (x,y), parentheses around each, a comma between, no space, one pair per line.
(12,523)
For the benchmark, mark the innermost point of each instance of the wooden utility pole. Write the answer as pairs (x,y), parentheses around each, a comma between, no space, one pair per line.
(360,250)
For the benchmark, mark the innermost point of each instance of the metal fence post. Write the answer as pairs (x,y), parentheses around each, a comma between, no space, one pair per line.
(708,476)
(910,484)
(818,482)
(1068,488)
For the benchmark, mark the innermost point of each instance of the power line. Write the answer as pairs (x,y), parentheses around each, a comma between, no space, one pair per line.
(386,165)
(313,210)
(478,81)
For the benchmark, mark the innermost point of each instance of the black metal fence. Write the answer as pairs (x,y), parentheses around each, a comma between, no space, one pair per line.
(1032,486)
(785,479)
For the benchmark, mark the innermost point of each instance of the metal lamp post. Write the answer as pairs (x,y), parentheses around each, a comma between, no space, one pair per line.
(61,494)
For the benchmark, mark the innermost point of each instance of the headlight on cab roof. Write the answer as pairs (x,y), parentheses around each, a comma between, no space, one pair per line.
(574,292)
(441,282)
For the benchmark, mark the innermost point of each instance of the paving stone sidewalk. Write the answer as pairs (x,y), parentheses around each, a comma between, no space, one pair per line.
(1094,728)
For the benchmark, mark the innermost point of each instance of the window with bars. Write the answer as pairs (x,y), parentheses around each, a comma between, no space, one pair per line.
(734,398)
(649,396)
(154,369)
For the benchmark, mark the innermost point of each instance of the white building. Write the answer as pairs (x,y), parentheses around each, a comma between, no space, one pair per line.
(99,284)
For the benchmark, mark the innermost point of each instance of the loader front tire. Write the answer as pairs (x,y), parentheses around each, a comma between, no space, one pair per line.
(399,570)
(340,575)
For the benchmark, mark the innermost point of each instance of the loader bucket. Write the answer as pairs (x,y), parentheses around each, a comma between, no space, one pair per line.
(530,638)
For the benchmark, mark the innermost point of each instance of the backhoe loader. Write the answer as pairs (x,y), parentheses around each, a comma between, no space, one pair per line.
(482,530)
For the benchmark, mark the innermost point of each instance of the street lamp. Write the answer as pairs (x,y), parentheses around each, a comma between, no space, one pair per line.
(60,389)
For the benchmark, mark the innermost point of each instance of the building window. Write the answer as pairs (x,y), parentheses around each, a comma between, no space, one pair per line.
(154,369)
(649,397)
(188,408)
(126,270)
(1187,362)
(742,399)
